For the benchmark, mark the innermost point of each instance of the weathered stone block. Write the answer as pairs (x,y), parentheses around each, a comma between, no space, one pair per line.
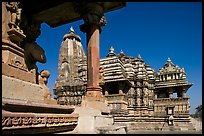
(17,89)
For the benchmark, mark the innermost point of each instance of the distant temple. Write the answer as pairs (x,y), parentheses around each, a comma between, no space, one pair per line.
(69,87)
(133,90)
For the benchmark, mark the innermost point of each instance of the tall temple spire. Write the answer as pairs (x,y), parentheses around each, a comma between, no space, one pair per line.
(70,61)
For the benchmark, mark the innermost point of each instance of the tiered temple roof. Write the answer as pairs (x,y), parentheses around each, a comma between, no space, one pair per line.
(171,75)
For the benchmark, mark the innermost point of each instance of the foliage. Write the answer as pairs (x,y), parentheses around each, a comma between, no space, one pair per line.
(198,112)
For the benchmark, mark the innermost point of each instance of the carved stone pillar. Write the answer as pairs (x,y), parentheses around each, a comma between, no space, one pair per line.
(120,86)
(145,97)
(13,55)
(170,93)
(183,93)
(155,96)
(92,14)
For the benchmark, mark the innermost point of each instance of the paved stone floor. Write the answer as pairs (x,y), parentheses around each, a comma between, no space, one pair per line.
(164,132)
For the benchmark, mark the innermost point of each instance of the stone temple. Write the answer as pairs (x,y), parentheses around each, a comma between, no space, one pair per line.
(138,97)
(115,94)
(70,57)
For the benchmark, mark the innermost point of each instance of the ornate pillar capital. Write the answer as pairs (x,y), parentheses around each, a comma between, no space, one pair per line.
(92,14)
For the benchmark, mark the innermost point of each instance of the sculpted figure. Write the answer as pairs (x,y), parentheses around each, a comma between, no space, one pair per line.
(145,90)
(101,76)
(64,70)
(33,53)
(171,120)
(138,102)
(145,101)
(15,13)
(138,92)
(43,79)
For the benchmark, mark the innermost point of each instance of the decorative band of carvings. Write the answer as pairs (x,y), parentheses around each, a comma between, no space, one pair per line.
(20,121)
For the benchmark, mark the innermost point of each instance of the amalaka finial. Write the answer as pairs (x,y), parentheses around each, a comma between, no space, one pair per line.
(169,63)
(71,29)
(139,57)
(168,59)
(111,50)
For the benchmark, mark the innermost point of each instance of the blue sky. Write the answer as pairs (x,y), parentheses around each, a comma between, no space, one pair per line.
(155,30)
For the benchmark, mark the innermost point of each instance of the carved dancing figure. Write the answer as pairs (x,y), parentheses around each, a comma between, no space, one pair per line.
(138,102)
(15,14)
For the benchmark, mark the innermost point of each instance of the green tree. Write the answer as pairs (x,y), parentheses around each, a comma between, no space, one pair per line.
(198,112)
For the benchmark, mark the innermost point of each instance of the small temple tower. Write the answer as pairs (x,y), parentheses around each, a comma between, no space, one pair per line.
(171,79)
(69,87)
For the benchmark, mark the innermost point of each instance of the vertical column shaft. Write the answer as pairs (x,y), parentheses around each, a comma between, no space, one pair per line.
(93,57)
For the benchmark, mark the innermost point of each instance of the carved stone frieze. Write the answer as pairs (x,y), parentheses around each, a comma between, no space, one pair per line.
(36,120)
(19,63)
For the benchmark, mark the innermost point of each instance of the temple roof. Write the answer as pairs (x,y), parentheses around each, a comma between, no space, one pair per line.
(171,75)
(71,34)
(169,67)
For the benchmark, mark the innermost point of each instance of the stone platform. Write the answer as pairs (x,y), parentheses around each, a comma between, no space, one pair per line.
(26,117)
(135,123)
(94,118)
(24,110)
(13,88)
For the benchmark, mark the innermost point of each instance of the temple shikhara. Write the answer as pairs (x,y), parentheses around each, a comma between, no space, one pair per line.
(115,94)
